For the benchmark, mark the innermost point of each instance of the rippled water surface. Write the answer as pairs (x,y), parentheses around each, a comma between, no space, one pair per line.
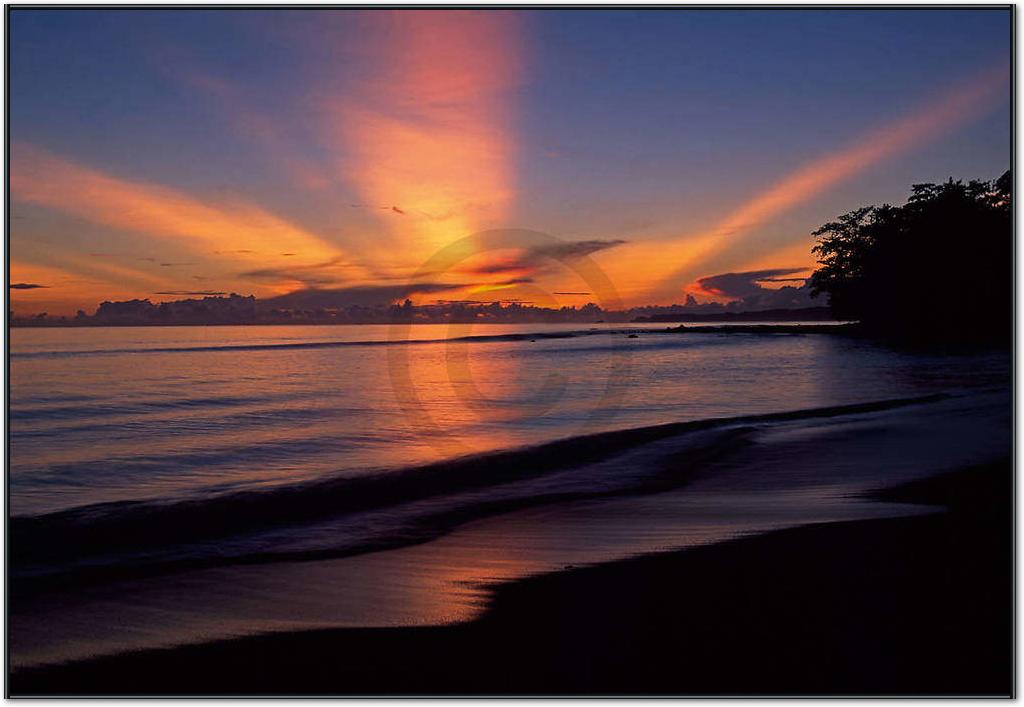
(114,414)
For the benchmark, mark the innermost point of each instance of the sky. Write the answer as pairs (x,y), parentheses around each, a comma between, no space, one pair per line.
(550,156)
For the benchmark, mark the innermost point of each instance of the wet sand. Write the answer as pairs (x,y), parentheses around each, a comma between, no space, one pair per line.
(918,605)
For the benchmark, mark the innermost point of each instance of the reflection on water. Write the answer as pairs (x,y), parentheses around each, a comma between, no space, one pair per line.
(93,428)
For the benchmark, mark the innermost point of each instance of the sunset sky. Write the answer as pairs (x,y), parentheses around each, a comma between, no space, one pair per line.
(161,153)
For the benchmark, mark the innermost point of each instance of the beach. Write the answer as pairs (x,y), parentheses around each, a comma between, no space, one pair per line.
(900,606)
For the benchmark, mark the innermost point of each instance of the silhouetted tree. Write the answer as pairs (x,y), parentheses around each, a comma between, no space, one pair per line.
(937,269)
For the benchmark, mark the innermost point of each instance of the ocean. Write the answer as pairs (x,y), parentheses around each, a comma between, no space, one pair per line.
(178,484)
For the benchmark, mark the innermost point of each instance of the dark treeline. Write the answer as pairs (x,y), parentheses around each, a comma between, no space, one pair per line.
(236,309)
(938,269)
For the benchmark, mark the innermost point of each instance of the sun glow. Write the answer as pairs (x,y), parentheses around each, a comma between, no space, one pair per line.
(414,142)
(428,140)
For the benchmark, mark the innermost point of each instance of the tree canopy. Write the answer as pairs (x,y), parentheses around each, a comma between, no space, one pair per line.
(938,268)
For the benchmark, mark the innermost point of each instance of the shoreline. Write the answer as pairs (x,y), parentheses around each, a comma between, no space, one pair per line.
(651,326)
(62,533)
(899,606)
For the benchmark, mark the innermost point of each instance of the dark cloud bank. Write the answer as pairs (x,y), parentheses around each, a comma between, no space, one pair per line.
(379,304)
(747,292)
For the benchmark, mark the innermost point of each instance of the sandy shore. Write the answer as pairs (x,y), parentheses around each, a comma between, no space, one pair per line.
(919,605)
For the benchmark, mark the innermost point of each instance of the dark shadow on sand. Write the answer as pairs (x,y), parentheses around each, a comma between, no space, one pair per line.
(906,606)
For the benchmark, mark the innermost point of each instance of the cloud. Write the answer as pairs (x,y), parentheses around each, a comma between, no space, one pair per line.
(71,285)
(242,229)
(311,275)
(190,292)
(537,258)
(503,285)
(746,293)
(364,295)
(737,285)
(372,295)
(574,249)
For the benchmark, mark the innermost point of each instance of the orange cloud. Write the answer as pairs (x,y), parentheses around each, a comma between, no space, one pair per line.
(244,232)
(427,138)
(481,289)
(72,284)
(47,275)
(673,263)
(701,289)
